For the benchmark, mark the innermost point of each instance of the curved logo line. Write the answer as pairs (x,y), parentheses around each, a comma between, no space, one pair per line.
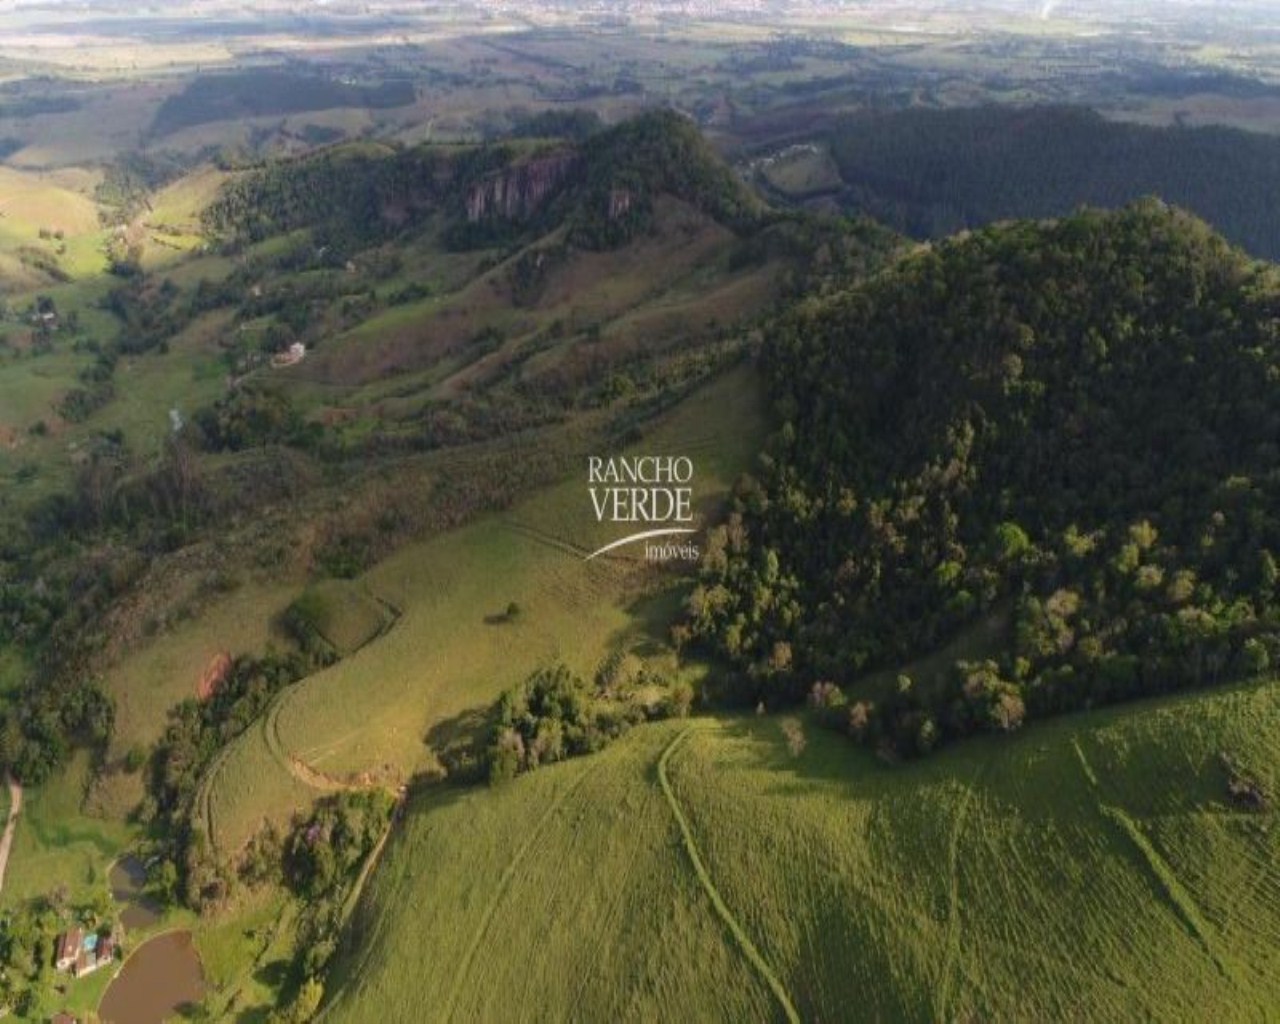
(638,536)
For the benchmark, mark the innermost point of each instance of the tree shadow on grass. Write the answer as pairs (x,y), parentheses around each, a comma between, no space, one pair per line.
(648,634)
(827,758)
(459,743)
(272,974)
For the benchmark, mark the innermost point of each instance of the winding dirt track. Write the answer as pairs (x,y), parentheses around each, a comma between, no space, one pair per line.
(753,955)
(15,807)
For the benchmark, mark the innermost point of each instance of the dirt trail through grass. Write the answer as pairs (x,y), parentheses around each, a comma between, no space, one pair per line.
(1164,880)
(548,538)
(293,764)
(504,884)
(704,877)
(15,806)
(953,901)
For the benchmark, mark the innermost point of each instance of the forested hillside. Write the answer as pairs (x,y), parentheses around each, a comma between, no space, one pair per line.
(662,152)
(603,187)
(1070,425)
(475,276)
(261,92)
(934,172)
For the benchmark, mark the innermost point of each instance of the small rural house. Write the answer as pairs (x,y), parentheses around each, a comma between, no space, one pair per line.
(96,951)
(68,949)
(79,954)
(295,354)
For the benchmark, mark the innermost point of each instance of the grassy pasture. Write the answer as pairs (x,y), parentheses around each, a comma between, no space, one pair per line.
(172,224)
(243,951)
(191,374)
(453,650)
(31,386)
(16,276)
(31,201)
(148,682)
(57,842)
(694,307)
(588,288)
(563,896)
(803,172)
(248,785)
(996,880)
(344,613)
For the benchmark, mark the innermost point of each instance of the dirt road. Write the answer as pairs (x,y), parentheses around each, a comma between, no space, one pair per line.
(6,842)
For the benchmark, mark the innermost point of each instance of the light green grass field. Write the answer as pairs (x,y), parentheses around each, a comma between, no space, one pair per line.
(803,172)
(240,949)
(248,785)
(369,717)
(146,684)
(186,377)
(31,385)
(31,202)
(565,896)
(993,881)
(57,843)
(172,226)
(345,614)
(31,388)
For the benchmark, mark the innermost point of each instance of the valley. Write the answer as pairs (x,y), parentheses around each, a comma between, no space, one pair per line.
(747,512)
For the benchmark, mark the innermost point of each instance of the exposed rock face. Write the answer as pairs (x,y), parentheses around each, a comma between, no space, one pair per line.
(519,190)
(619,202)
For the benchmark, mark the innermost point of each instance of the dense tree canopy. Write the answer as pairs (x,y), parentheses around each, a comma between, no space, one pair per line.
(1073,425)
(259,92)
(933,172)
(602,185)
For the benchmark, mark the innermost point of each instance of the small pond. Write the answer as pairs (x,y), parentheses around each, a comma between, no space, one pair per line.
(137,911)
(160,977)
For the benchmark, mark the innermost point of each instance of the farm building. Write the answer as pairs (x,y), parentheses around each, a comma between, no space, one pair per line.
(68,946)
(80,954)
(96,951)
(295,354)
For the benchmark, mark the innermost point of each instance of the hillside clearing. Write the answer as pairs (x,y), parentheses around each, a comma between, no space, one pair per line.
(377,716)
(951,888)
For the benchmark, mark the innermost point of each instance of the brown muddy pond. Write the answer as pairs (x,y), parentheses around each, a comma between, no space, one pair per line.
(161,977)
(127,879)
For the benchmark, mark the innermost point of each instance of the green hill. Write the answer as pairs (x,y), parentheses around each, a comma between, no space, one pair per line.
(443,298)
(1094,867)
(934,172)
(603,186)
(299,498)
(661,153)
(1071,425)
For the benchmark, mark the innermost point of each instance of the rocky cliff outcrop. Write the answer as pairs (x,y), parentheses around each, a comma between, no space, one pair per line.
(519,190)
(619,202)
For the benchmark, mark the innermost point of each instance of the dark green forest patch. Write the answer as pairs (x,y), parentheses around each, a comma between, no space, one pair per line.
(271,91)
(934,172)
(1078,419)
